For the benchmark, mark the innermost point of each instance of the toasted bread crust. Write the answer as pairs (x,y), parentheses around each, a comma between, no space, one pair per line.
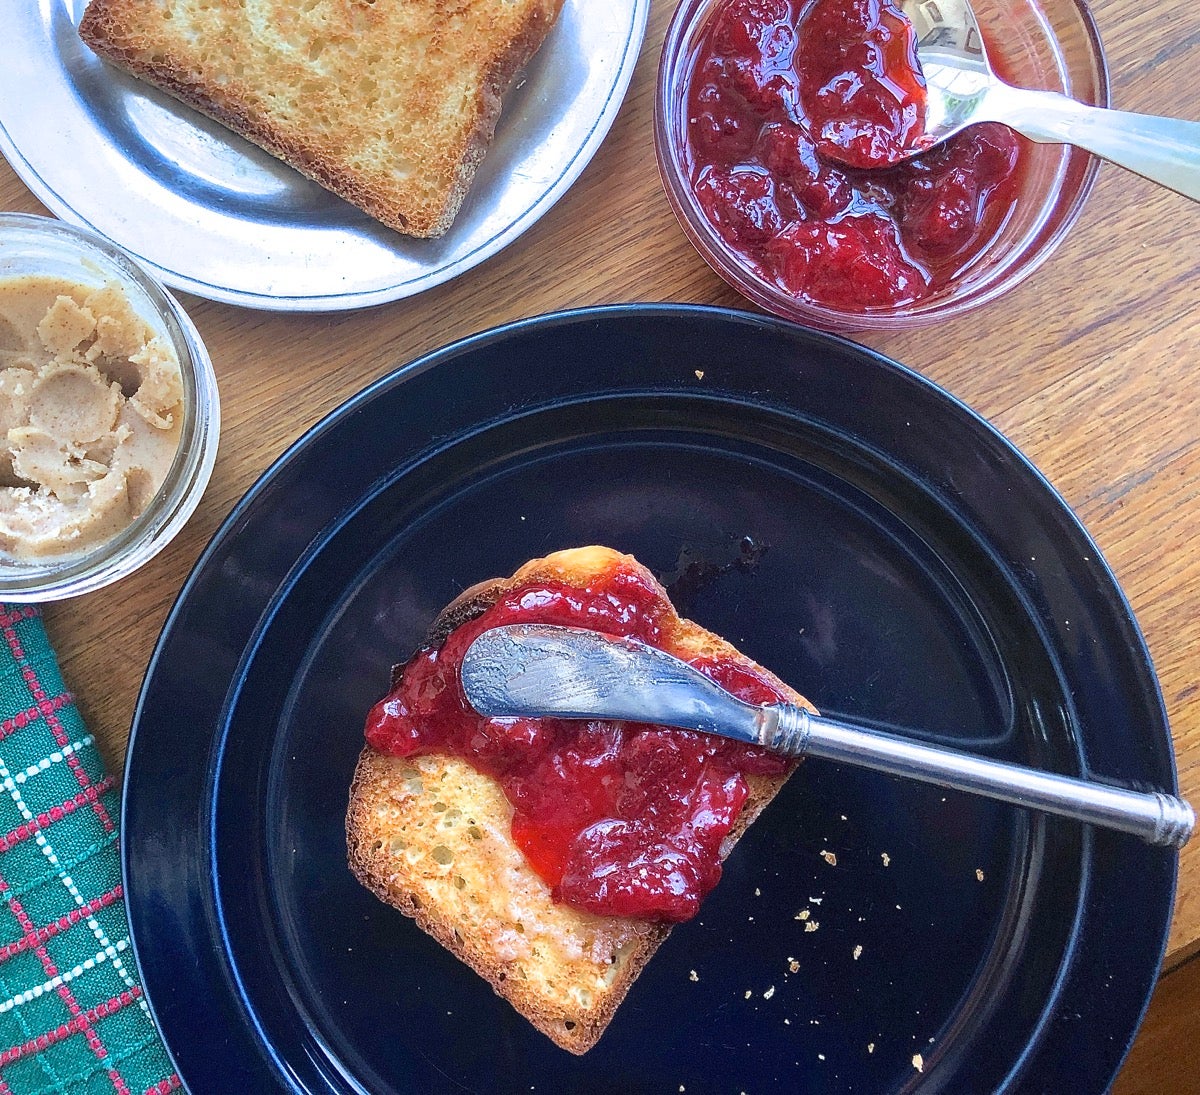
(400,138)
(571,995)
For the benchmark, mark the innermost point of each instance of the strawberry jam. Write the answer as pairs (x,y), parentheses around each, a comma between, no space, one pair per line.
(619,819)
(794,113)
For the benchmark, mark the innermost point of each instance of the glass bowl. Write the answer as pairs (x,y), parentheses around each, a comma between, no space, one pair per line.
(1051,44)
(33,245)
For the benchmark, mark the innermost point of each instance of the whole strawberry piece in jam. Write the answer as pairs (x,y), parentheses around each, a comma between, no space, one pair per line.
(941,212)
(740,203)
(860,82)
(789,153)
(943,203)
(990,150)
(755,29)
(855,258)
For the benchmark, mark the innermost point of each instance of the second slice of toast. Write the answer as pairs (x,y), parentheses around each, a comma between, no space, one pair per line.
(431,836)
(390,104)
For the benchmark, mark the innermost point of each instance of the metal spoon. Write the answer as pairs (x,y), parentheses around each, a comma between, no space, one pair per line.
(539,670)
(963,89)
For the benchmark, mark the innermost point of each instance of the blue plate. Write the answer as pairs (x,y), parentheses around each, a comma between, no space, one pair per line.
(908,569)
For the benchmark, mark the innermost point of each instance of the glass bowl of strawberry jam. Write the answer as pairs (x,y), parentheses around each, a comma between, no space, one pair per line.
(772,117)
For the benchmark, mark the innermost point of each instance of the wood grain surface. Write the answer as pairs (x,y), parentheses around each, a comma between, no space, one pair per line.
(1089,367)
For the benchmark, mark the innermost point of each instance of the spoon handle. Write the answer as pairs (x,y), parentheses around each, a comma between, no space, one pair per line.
(1155,817)
(1164,150)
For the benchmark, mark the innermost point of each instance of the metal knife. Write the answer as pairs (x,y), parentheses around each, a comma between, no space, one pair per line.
(542,670)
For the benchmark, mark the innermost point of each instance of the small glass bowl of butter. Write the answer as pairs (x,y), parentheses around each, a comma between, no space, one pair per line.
(109,413)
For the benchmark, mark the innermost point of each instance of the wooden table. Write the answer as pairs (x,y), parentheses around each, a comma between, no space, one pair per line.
(1090,368)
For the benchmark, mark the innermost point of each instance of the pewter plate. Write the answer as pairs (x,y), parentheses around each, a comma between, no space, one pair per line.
(214,215)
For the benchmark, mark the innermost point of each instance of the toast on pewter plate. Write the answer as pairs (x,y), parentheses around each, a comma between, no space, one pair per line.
(391,104)
(553,857)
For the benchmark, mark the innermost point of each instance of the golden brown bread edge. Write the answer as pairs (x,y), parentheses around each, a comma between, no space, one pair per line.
(111,29)
(573,1006)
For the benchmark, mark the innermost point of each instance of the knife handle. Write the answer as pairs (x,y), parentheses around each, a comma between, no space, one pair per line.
(1155,817)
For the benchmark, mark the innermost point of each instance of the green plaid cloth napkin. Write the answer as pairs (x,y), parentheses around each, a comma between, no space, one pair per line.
(73,1018)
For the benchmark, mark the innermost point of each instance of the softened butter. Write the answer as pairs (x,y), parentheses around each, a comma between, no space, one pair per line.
(91,406)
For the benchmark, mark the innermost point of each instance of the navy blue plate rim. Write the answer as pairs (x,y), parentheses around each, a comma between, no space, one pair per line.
(164,972)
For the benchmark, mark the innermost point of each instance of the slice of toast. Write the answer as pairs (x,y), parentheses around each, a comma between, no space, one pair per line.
(390,104)
(431,836)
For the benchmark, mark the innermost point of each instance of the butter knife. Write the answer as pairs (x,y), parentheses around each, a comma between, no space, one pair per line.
(542,670)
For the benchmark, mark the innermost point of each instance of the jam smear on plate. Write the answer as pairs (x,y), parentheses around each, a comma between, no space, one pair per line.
(619,819)
(794,112)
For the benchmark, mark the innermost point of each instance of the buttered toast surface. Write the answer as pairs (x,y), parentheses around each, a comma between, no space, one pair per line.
(390,104)
(431,836)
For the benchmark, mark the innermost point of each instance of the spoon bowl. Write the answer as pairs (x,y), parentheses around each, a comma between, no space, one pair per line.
(962,89)
(954,62)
